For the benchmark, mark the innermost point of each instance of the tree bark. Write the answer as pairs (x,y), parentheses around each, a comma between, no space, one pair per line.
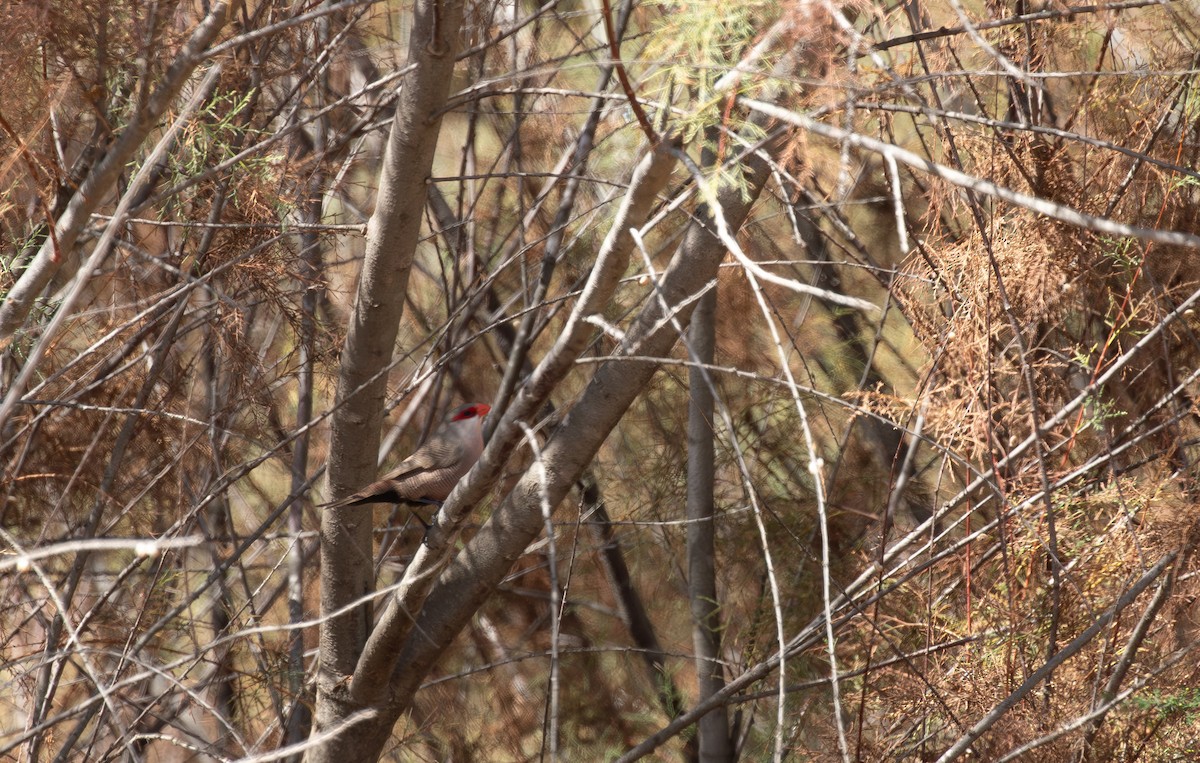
(482,564)
(372,676)
(347,573)
(715,742)
(641,628)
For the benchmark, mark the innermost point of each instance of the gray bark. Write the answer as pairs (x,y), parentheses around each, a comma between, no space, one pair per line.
(371,677)
(482,564)
(347,573)
(715,742)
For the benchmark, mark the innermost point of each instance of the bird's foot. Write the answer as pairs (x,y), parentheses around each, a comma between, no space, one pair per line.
(427,525)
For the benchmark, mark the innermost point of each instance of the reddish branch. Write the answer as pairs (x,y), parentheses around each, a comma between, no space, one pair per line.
(623,77)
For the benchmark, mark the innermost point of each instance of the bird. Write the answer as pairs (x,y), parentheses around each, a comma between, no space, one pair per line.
(432,471)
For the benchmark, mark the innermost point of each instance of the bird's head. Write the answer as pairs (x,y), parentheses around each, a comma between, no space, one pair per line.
(470,411)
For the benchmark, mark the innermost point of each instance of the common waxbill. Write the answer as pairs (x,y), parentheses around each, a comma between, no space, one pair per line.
(430,473)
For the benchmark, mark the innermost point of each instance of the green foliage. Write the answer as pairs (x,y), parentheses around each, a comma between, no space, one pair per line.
(1124,253)
(695,43)
(1164,704)
(219,135)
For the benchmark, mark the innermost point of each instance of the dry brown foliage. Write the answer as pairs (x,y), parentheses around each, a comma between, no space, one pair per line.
(175,403)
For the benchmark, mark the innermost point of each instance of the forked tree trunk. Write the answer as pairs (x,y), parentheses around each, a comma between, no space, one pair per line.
(347,573)
(489,555)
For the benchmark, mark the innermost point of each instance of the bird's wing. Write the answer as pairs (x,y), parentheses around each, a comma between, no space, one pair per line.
(439,452)
(436,455)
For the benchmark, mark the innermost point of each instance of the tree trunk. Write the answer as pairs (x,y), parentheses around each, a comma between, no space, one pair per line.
(347,573)
(715,743)
(482,564)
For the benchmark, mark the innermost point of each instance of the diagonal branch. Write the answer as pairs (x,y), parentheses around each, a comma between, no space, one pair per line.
(482,564)
(97,185)
(1051,209)
(383,648)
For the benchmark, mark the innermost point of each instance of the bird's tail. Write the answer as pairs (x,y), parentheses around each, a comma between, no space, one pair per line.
(358,499)
(341,503)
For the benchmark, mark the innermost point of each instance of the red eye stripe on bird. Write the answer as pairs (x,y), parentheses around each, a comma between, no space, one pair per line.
(432,471)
